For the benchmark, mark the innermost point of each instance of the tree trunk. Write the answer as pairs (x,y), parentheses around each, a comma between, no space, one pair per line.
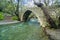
(17,16)
(48,18)
(59,22)
(17,10)
(46,13)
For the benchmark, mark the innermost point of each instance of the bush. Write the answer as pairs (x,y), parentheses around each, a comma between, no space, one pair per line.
(14,18)
(1,16)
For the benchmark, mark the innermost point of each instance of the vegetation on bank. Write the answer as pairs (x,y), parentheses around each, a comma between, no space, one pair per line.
(14,18)
(1,16)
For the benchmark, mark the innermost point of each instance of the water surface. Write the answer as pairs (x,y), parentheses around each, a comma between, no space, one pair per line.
(22,31)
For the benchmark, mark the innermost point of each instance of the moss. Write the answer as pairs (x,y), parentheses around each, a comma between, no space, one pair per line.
(14,18)
(1,16)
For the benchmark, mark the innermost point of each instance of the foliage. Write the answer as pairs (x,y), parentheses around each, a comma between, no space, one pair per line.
(14,18)
(1,16)
(10,8)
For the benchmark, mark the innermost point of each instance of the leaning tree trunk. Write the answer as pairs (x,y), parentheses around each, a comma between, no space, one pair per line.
(48,18)
(46,13)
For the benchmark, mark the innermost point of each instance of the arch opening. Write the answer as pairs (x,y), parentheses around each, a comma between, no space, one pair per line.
(27,16)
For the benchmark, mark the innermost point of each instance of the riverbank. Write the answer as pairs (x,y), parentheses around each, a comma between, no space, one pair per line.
(54,34)
(8,22)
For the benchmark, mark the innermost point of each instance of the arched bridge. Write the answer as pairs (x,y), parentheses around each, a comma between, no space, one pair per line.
(42,15)
(37,12)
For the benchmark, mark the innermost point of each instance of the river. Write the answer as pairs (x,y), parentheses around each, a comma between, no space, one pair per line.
(22,31)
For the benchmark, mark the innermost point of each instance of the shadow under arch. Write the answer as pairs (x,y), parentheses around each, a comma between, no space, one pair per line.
(27,14)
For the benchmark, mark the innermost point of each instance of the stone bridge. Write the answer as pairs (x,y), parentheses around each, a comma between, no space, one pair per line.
(41,13)
(37,12)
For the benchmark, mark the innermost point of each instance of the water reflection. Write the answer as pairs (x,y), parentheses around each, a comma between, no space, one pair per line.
(33,21)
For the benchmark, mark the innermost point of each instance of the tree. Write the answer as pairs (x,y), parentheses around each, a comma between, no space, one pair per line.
(46,13)
(17,10)
(2,4)
(10,7)
(46,2)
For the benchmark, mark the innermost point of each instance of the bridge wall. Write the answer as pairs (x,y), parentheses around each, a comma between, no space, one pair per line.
(39,14)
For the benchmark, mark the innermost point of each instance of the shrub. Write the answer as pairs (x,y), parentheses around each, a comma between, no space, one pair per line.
(14,18)
(1,16)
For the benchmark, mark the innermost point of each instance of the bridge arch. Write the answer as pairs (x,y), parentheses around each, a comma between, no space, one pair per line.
(45,13)
(27,13)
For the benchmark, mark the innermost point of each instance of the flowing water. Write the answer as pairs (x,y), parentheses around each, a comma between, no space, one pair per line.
(22,31)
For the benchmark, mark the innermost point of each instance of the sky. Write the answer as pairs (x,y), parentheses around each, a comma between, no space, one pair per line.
(30,3)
